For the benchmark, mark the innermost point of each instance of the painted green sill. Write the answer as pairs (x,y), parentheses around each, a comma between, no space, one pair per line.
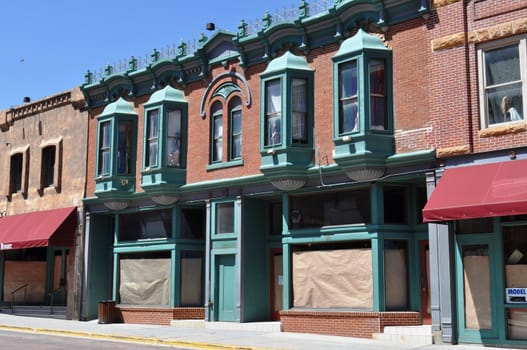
(232,163)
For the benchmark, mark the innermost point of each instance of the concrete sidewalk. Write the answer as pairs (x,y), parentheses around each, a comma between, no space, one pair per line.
(203,338)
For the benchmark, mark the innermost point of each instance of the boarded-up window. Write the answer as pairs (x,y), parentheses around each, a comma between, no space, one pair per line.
(145,280)
(338,278)
(477,287)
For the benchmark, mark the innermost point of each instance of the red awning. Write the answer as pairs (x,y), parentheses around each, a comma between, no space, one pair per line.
(478,191)
(38,229)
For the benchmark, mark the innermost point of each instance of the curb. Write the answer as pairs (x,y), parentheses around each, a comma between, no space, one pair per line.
(131,339)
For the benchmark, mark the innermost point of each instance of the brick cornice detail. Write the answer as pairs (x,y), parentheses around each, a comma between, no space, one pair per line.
(441,3)
(452,151)
(498,31)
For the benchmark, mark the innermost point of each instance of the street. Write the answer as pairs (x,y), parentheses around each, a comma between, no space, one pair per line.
(24,340)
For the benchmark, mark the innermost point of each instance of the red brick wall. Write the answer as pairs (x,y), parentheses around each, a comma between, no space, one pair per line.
(159,316)
(348,324)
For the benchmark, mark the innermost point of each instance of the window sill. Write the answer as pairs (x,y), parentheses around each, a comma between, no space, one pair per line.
(229,164)
(504,129)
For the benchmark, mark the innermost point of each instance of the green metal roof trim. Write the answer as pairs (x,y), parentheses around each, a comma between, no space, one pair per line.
(167,94)
(359,42)
(121,106)
(287,61)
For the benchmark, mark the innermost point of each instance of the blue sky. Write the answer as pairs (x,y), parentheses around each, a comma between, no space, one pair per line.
(47,46)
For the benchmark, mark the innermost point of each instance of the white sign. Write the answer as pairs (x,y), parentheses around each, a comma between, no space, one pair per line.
(516,295)
(5,246)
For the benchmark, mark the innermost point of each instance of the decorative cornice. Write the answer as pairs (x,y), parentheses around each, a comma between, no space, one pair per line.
(498,31)
(39,106)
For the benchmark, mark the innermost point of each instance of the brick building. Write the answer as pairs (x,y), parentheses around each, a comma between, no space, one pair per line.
(280,174)
(42,172)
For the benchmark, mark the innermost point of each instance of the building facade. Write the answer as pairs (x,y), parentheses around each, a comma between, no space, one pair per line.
(43,167)
(477,212)
(228,183)
(281,174)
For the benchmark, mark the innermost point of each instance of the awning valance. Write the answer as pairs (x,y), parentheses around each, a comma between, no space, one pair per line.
(478,191)
(54,227)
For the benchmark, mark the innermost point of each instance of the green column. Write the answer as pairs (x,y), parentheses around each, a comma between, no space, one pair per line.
(377,251)
(175,281)
(286,255)
(115,275)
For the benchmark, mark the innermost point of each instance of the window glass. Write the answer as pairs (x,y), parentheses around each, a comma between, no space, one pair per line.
(396,274)
(299,117)
(48,166)
(105,138)
(515,248)
(174,138)
(192,277)
(273,113)
(395,205)
(378,117)
(217,132)
(192,223)
(152,138)
(338,208)
(225,217)
(503,84)
(349,98)
(235,106)
(145,225)
(16,173)
(124,148)
(276,218)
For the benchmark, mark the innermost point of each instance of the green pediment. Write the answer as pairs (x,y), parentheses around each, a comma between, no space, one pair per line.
(167,94)
(226,89)
(359,42)
(285,62)
(121,106)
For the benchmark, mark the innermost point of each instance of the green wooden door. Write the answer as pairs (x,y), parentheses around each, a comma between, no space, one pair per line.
(226,288)
(477,292)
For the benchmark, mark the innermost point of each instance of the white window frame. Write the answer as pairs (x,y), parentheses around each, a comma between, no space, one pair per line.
(521,41)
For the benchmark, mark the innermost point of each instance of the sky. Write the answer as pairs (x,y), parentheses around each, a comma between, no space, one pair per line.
(46,47)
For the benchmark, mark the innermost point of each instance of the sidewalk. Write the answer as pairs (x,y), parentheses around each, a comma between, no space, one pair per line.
(203,338)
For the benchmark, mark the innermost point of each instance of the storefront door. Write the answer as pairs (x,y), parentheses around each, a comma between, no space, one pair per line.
(477,295)
(226,273)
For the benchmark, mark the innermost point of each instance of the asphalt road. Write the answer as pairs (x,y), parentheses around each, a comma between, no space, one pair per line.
(29,341)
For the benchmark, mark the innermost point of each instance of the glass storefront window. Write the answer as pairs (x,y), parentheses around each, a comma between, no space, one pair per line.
(145,225)
(396,274)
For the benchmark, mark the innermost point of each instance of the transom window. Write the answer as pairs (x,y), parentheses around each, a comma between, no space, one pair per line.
(502,73)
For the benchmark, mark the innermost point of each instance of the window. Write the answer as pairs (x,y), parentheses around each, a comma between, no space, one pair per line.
(48,166)
(15,185)
(152,130)
(377,95)
(192,223)
(145,225)
(327,209)
(235,110)
(363,96)
(225,217)
(395,205)
(299,122)
(191,277)
(105,138)
(502,73)
(124,148)
(226,128)
(273,113)
(349,98)
(217,132)
(174,138)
